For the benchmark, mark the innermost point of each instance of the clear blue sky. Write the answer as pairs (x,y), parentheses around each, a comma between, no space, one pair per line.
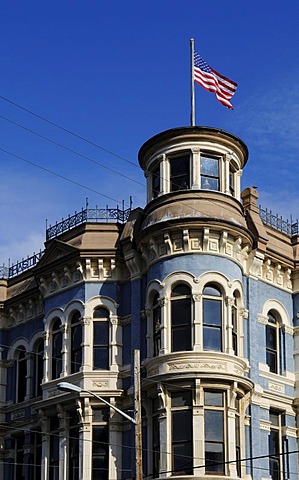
(117,74)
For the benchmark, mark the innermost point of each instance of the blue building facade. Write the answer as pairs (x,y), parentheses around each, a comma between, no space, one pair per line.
(204,284)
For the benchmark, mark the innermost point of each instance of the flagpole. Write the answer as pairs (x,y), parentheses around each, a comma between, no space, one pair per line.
(192,116)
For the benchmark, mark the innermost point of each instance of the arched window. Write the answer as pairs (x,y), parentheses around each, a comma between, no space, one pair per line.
(181,318)
(101,338)
(56,349)
(273,342)
(76,342)
(38,367)
(212,318)
(234,313)
(156,325)
(21,377)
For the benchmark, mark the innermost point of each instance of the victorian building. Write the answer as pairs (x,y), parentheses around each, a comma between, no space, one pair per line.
(204,283)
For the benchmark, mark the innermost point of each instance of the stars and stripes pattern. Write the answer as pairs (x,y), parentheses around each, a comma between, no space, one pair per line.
(208,78)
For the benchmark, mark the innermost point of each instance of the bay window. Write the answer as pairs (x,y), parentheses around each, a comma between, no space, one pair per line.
(182,440)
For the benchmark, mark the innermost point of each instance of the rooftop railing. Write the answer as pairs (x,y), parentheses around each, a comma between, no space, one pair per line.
(94,215)
(276,221)
(88,215)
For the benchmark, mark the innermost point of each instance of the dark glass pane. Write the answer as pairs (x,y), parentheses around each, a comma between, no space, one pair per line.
(214,426)
(183,458)
(181,311)
(76,318)
(100,414)
(271,337)
(214,457)
(274,418)
(274,442)
(212,312)
(99,468)
(56,325)
(101,333)
(100,313)
(274,468)
(179,173)
(271,360)
(57,344)
(271,318)
(156,181)
(181,399)
(76,336)
(100,439)
(212,339)
(100,358)
(213,399)
(180,290)
(181,339)
(181,426)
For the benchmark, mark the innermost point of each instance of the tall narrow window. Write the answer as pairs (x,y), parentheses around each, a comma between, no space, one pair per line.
(156,438)
(232,181)
(101,339)
(209,170)
(73,458)
(38,367)
(100,444)
(275,445)
(156,182)
(35,459)
(238,436)
(54,449)
(180,318)
(212,318)
(156,325)
(20,464)
(214,432)
(182,438)
(272,343)
(179,173)
(235,326)
(56,349)
(21,380)
(76,342)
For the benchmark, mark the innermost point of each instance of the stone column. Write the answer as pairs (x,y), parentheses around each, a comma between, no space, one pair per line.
(87,361)
(198,431)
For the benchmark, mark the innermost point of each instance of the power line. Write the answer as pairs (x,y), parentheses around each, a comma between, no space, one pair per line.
(67,130)
(59,175)
(71,151)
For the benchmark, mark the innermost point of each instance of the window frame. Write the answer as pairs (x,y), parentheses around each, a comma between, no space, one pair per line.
(175,180)
(105,346)
(56,357)
(21,374)
(215,329)
(101,423)
(76,350)
(275,436)
(204,177)
(180,411)
(273,348)
(185,326)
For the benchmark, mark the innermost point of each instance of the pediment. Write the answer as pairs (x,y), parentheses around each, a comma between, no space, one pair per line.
(55,250)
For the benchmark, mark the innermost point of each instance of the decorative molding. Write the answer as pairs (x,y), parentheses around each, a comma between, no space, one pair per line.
(277,387)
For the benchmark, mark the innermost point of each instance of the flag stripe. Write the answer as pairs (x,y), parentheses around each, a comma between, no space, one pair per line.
(213,81)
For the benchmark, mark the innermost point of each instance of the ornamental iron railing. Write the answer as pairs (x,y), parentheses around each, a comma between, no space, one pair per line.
(88,215)
(94,215)
(276,221)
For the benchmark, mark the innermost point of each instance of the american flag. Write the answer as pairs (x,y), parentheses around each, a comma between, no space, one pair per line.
(208,78)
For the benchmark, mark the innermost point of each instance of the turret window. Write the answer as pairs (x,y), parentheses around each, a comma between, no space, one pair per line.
(180,173)
(156,182)
(209,169)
